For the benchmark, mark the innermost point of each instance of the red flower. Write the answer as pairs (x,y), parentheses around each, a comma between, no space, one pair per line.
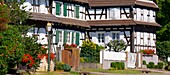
(74,45)
(52,56)
(28,59)
(40,56)
(149,51)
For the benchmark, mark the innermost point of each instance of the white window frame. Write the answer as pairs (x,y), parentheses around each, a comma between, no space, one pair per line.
(60,36)
(69,37)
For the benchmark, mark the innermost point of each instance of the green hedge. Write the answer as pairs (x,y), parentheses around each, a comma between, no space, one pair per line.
(118,65)
(160,65)
(144,62)
(151,65)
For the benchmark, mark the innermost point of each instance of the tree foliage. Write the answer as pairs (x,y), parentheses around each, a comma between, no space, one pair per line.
(14,44)
(116,45)
(4,16)
(18,15)
(163,36)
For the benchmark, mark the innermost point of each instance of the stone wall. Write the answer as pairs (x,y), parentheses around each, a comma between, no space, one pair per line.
(90,66)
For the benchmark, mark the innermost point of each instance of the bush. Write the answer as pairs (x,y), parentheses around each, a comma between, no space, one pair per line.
(160,65)
(156,66)
(150,65)
(122,65)
(90,52)
(144,62)
(118,65)
(66,67)
(113,65)
(59,65)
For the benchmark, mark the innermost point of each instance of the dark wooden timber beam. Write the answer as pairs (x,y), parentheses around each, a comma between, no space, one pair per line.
(50,5)
(132,46)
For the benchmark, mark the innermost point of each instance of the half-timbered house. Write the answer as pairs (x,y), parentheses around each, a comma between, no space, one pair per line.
(130,20)
(101,20)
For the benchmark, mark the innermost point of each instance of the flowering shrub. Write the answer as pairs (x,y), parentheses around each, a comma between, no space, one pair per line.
(70,46)
(148,51)
(52,56)
(27,59)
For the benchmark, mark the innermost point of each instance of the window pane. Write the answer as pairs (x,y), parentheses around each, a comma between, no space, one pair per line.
(113,36)
(99,37)
(117,36)
(60,36)
(42,30)
(103,38)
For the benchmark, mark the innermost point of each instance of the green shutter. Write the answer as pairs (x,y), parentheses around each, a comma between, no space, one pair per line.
(77,11)
(58,8)
(65,36)
(72,37)
(57,36)
(77,39)
(65,9)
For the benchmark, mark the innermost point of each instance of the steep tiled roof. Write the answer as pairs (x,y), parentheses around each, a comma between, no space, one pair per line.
(52,18)
(73,22)
(120,23)
(100,3)
(69,21)
(43,17)
(83,1)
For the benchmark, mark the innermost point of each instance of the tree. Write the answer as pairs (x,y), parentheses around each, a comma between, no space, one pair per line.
(163,50)
(14,45)
(18,15)
(163,36)
(116,45)
(4,16)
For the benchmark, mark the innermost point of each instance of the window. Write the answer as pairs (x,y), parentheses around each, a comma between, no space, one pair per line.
(115,36)
(101,37)
(148,16)
(60,36)
(68,37)
(58,8)
(42,30)
(142,14)
(35,2)
(76,11)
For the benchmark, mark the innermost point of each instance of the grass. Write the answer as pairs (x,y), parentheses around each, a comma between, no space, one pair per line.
(55,73)
(128,71)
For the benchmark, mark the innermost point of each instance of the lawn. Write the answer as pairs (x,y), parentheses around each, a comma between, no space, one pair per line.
(128,71)
(55,73)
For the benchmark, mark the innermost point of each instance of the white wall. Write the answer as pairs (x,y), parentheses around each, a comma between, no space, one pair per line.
(40,9)
(145,41)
